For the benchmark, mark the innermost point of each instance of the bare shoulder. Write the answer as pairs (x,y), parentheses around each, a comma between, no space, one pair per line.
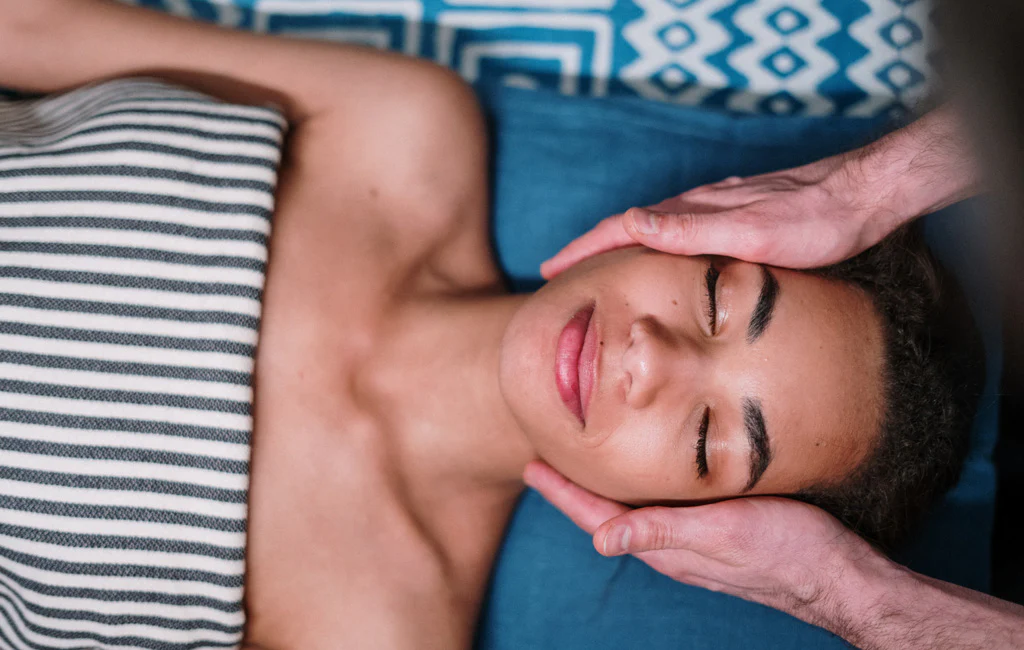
(411,121)
(400,166)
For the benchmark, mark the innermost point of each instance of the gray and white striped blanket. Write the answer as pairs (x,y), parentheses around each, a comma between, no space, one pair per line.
(134,218)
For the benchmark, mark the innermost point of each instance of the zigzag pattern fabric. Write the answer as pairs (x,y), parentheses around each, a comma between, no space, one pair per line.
(858,58)
(134,219)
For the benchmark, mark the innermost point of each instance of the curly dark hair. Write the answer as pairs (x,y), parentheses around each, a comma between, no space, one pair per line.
(933,377)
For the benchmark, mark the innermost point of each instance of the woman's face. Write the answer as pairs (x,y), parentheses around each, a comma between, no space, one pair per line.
(634,382)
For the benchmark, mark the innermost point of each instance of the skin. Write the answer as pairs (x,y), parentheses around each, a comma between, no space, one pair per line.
(796,558)
(774,551)
(806,217)
(390,427)
(815,370)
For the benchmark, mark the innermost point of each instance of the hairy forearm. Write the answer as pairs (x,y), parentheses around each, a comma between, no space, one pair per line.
(916,170)
(54,45)
(882,606)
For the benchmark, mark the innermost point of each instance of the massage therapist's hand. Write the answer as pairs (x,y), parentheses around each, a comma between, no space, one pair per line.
(775,551)
(793,557)
(806,217)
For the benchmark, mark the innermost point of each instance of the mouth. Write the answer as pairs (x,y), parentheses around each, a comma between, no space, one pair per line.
(576,361)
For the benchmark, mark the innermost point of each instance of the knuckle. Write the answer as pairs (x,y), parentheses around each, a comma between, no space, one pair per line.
(683,228)
(656,533)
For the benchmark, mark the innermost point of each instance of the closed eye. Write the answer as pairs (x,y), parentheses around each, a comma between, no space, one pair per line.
(702,445)
(711,282)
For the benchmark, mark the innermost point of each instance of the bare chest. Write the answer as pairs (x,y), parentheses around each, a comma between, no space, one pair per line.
(343,547)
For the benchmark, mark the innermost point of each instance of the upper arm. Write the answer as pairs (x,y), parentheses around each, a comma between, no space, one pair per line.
(386,155)
(54,45)
(393,177)
(400,165)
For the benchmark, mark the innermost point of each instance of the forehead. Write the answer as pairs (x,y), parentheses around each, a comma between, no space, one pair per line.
(818,370)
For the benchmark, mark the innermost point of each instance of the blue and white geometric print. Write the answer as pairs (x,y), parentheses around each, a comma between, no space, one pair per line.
(804,57)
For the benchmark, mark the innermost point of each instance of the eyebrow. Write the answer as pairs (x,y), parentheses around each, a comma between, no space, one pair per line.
(760,450)
(765,307)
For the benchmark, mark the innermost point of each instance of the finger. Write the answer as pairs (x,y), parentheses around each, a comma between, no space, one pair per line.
(723,194)
(714,233)
(659,528)
(711,191)
(586,509)
(605,236)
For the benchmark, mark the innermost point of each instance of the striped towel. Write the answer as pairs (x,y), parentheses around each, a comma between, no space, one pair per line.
(134,218)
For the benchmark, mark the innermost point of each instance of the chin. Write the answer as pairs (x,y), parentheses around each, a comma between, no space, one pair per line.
(519,358)
(526,369)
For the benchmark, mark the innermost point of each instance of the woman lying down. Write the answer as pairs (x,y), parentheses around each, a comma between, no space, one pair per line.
(400,391)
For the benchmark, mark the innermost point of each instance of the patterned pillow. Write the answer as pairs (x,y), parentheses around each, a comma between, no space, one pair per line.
(857,58)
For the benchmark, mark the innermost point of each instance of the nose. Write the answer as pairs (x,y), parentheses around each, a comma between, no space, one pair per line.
(658,361)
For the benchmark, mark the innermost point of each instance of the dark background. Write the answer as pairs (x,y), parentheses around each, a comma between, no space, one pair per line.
(985,47)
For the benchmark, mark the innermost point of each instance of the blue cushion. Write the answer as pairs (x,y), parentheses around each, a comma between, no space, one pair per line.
(562,164)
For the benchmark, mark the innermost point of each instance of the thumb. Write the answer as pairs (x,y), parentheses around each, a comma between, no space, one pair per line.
(648,529)
(684,233)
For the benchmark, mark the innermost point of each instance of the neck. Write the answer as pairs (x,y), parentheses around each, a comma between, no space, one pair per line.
(456,420)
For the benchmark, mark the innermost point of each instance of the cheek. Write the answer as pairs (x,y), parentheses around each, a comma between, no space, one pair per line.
(634,463)
(513,380)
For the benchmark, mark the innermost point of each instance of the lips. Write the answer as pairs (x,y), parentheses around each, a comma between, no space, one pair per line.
(576,361)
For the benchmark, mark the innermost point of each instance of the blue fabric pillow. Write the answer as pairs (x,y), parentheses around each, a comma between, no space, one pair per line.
(562,164)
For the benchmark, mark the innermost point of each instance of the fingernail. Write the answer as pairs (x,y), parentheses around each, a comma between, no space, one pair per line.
(646,222)
(616,542)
